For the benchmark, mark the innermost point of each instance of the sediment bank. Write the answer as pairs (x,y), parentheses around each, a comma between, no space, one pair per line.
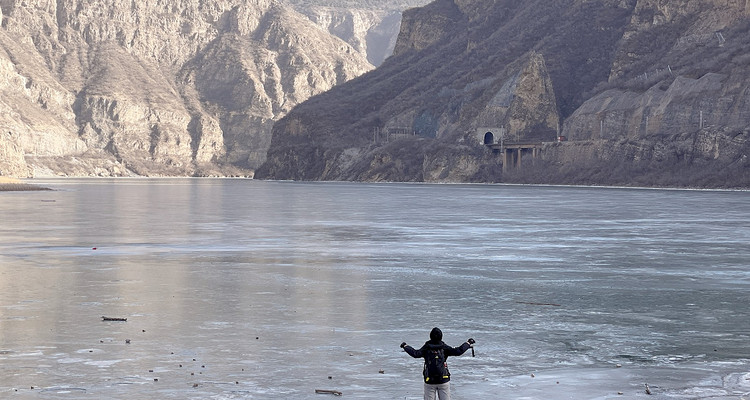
(14,185)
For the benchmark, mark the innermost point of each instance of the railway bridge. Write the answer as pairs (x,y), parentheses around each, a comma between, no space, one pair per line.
(512,151)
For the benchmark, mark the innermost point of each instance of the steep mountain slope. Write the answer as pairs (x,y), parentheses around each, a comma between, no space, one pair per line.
(371,27)
(132,87)
(647,92)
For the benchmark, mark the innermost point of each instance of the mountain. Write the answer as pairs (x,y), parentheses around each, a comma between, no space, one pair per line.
(370,27)
(118,88)
(645,92)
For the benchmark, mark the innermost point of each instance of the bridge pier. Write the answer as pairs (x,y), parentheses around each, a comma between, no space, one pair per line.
(511,158)
(513,153)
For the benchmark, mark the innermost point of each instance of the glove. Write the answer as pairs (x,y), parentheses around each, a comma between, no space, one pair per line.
(471,341)
(403,344)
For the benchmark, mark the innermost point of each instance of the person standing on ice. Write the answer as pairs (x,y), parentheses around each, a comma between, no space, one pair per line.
(435,353)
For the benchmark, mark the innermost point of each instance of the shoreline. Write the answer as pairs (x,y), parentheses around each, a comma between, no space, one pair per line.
(15,185)
(612,187)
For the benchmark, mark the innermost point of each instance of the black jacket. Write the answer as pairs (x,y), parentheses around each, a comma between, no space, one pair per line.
(447,351)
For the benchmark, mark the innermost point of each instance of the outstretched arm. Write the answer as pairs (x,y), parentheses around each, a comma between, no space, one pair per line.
(457,351)
(411,351)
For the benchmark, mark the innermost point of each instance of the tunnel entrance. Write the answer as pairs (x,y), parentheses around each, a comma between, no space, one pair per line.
(489,138)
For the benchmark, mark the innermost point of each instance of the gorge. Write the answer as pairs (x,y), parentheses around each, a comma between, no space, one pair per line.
(192,88)
(609,92)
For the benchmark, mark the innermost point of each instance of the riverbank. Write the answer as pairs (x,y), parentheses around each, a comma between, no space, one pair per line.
(14,185)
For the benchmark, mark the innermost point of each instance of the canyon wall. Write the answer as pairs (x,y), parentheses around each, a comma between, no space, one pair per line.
(646,92)
(154,87)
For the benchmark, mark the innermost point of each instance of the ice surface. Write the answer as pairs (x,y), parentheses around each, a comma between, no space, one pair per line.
(237,289)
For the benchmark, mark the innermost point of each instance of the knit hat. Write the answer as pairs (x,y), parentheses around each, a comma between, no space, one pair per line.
(436,335)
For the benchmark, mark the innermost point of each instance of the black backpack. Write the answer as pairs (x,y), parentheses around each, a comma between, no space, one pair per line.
(435,367)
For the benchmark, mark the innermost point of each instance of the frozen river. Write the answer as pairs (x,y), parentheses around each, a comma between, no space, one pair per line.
(240,289)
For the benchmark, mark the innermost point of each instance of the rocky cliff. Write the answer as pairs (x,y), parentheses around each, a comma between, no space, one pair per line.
(370,26)
(647,92)
(155,88)
(372,32)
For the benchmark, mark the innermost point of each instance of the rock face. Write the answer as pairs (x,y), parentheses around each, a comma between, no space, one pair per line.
(525,106)
(370,32)
(118,87)
(370,27)
(647,92)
